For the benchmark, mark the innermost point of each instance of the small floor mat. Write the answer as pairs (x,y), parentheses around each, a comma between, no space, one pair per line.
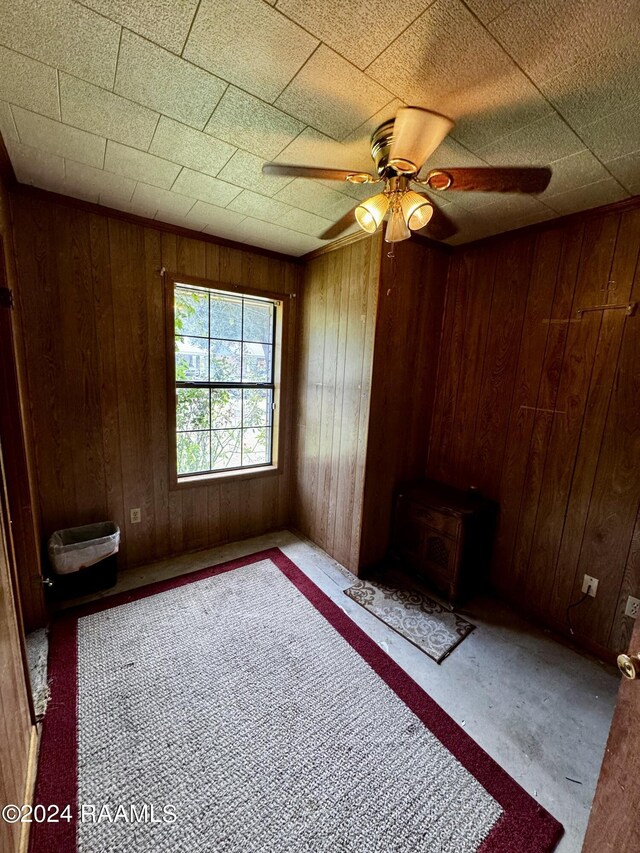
(414,615)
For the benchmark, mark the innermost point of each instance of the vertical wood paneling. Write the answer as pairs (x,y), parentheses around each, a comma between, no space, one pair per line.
(555,418)
(334,354)
(408,325)
(535,335)
(15,435)
(95,356)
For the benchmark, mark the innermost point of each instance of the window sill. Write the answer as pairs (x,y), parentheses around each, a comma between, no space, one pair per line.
(225,477)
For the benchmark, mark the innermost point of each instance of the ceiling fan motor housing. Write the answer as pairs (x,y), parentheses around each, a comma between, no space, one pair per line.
(381,140)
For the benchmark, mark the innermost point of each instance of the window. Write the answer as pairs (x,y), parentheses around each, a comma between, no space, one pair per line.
(225,365)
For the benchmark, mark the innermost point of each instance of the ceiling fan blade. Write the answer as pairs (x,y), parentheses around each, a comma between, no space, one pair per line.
(341,225)
(492,180)
(416,135)
(439,227)
(315,172)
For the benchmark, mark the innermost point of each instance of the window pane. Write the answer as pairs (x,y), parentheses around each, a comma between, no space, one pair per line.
(256,362)
(191,312)
(256,407)
(192,359)
(256,446)
(226,317)
(225,361)
(226,447)
(192,409)
(193,452)
(226,408)
(258,322)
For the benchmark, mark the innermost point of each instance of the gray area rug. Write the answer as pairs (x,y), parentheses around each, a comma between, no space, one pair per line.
(414,615)
(236,702)
(37,651)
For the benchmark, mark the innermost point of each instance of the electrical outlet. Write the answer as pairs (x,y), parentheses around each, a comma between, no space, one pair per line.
(590,585)
(633,607)
(135,515)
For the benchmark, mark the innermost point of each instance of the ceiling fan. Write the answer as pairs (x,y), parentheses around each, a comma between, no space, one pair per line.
(399,148)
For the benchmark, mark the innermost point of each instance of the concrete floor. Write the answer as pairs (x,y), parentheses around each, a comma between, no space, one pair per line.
(540,709)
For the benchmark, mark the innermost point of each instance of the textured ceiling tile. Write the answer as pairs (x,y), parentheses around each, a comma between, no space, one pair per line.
(89,108)
(259,206)
(519,203)
(189,147)
(316,198)
(583,198)
(165,22)
(203,215)
(305,222)
(615,135)
(270,236)
(332,95)
(226,232)
(165,202)
(158,79)
(598,85)
(279,213)
(547,36)
(451,153)
(547,139)
(252,125)
(205,188)
(57,138)
(488,10)
(448,62)
(245,170)
(28,83)
(312,148)
(357,30)
(574,171)
(63,34)
(362,134)
(627,170)
(140,166)
(7,124)
(110,188)
(248,43)
(33,166)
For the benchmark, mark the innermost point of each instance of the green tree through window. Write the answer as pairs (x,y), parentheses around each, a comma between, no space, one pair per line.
(224,371)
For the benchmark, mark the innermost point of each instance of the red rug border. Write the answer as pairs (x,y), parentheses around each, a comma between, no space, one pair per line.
(525,827)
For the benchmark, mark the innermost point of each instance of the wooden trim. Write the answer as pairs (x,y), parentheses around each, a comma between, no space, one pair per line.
(226,477)
(30,785)
(341,242)
(279,379)
(145,222)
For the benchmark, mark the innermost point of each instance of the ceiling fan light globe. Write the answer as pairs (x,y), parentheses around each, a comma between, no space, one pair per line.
(371,212)
(416,209)
(396,227)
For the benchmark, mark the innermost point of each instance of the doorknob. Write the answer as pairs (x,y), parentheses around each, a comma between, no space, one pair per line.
(629,665)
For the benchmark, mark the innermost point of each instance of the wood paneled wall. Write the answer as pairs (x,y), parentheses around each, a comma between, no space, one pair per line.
(335,359)
(541,410)
(367,354)
(24,542)
(91,302)
(409,319)
(17,735)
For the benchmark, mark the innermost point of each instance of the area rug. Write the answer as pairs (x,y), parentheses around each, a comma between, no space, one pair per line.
(414,615)
(37,650)
(239,710)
